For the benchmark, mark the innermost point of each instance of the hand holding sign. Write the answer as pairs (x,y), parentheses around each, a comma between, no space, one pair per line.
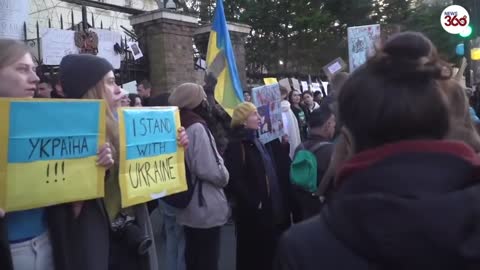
(182,137)
(105,156)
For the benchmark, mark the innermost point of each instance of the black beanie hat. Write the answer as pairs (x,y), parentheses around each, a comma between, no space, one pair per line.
(319,117)
(80,72)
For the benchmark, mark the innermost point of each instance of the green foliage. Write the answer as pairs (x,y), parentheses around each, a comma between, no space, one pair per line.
(307,34)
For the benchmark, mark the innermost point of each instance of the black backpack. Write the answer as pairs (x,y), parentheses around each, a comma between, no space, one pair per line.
(182,199)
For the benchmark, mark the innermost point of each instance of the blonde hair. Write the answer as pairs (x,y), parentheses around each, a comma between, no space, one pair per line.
(11,51)
(99,91)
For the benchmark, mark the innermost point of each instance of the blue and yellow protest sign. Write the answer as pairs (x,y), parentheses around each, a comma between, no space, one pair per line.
(151,163)
(49,152)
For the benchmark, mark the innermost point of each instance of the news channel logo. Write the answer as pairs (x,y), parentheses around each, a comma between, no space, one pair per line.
(455,20)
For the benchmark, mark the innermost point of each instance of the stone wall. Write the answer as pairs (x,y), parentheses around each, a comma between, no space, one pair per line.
(167,38)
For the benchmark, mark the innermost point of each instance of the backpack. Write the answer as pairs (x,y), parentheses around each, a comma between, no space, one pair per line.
(182,200)
(304,167)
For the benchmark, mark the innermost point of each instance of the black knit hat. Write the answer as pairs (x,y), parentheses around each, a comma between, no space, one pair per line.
(319,116)
(80,72)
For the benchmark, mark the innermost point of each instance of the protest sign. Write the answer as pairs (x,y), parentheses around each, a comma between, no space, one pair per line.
(56,44)
(334,67)
(49,152)
(151,163)
(269,81)
(304,86)
(267,99)
(285,83)
(361,44)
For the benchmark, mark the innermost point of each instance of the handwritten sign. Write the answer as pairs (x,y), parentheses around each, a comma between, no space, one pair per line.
(56,44)
(151,163)
(268,100)
(49,152)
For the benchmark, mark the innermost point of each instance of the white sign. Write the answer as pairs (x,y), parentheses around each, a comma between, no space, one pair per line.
(296,84)
(325,87)
(316,87)
(130,87)
(304,86)
(135,49)
(13,15)
(106,41)
(55,44)
(455,19)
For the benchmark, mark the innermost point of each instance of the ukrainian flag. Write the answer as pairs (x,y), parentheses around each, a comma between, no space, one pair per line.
(221,62)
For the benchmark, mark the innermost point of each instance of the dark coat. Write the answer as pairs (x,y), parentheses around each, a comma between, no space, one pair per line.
(305,204)
(257,233)
(409,205)
(81,243)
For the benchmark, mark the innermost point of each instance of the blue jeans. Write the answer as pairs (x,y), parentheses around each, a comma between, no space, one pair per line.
(174,236)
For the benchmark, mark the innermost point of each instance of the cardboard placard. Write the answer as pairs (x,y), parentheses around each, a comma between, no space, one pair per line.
(49,152)
(151,163)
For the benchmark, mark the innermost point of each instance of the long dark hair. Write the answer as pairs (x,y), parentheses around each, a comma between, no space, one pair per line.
(397,95)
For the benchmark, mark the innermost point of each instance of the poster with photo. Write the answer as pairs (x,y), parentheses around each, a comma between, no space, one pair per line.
(361,44)
(135,49)
(267,99)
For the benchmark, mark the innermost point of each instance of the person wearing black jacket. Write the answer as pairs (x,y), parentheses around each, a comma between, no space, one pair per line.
(406,198)
(260,189)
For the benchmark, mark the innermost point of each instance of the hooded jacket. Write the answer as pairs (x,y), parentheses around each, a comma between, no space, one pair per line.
(201,160)
(290,125)
(408,205)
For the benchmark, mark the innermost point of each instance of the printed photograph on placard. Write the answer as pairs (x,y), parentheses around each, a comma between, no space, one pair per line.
(267,99)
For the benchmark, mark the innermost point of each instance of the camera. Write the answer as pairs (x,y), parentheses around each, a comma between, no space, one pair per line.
(125,227)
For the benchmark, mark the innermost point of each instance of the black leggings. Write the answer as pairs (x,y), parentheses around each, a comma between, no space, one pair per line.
(202,248)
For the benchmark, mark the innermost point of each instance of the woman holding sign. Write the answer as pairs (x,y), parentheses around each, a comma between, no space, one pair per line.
(40,238)
(131,243)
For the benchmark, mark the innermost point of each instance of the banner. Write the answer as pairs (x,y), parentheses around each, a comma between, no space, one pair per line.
(49,152)
(267,99)
(361,44)
(151,163)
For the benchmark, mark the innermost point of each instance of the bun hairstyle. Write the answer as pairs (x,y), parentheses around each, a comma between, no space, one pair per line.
(410,55)
(397,95)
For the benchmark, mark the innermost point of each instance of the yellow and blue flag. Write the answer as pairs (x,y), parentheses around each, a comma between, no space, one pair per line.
(221,63)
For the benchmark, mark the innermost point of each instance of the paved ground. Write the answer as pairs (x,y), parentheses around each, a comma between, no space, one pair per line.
(227,247)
